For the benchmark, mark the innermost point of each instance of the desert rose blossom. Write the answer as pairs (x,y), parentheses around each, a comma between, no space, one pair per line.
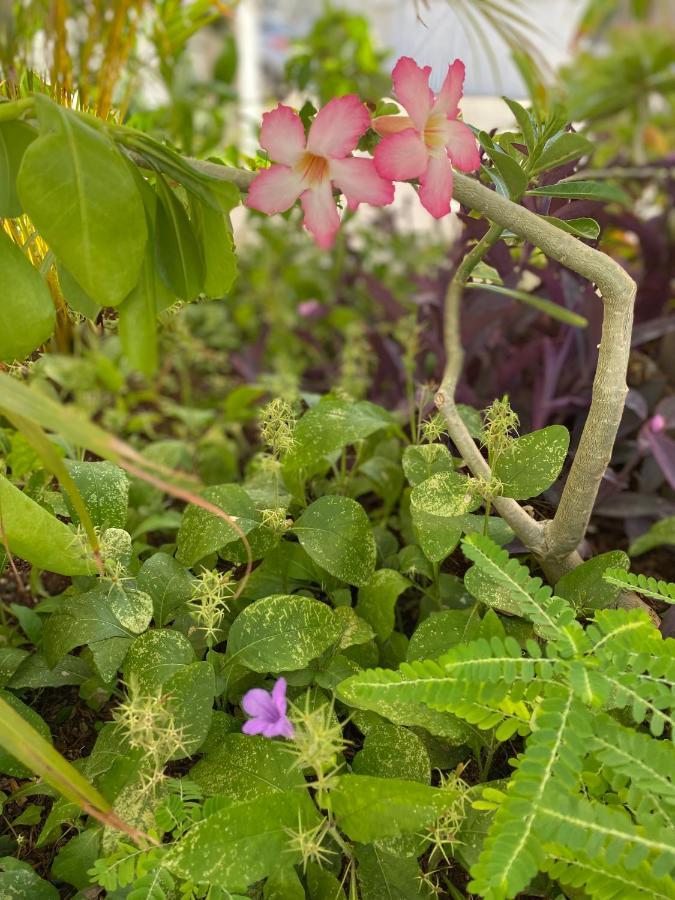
(427,142)
(309,167)
(267,711)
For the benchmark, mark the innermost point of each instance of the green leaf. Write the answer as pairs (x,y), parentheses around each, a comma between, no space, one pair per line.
(201,532)
(322,884)
(38,537)
(530,464)
(168,583)
(284,884)
(75,297)
(391,751)
(214,231)
(421,461)
(244,843)
(331,425)
(560,149)
(188,695)
(437,535)
(105,490)
(446,494)
(370,809)
(154,657)
(107,611)
(585,588)
(441,630)
(18,881)
(514,177)
(178,256)
(282,633)
(583,190)
(660,534)
(337,535)
(377,600)
(137,318)
(73,861)
(244,767)
(15,138)
(583,227)
(554,310)
(27,316)
(81,196)
(388,876)
(522,117)
(9,764)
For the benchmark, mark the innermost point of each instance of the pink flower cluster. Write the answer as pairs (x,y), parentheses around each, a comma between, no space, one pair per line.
(423,145)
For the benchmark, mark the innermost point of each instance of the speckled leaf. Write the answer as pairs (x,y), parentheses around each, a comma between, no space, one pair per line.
(377,600)
(18,881)
(108,656)
(421,461)
(446,494)
(532,463)
(585,588)
(355,630)
(322,884)
(242,844)
(9,765)
(331,425)
(90,617)
(167,582)
(189,696)
(370,809)
(105,490)
(284,884)
(282,633)
(37,536)
(132,608)
(437,535)
(336,533)
(202,533)
(389,876)
(441,630)
(391,751)
(154,657)
(244,767)
(10,660)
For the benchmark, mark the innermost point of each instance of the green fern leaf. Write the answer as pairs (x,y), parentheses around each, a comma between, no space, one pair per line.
(642,584)
(553,618)
(604,880)
(620,629)
(513,852)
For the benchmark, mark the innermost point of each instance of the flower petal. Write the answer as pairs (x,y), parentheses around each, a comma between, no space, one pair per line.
(401,156)
(281,728)
(274,190)
(282,135)
(461,146)
(338,126)
(254,726)
(436,186)
(279,696)
(358,180)
(411,84)
(321,216)
(450,94)
(259,703)
(391,124)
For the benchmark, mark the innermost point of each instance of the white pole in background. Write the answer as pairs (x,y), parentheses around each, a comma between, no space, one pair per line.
(249,73)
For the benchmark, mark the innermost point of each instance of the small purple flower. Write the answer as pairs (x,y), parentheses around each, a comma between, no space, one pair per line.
(657,423)
(268,711)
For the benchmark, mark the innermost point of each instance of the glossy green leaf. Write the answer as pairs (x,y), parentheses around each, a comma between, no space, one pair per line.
(530,464)
(188,695)
(15,138)
(37,536)
(391,751)
(583,190)
(337,535)
(168,583)
(178,255)
(584,227)
(522,117)
(104,487)
(27,315)
(214,232)
(202,533)
(585,588)
(437,535)
(282,633)
(137,316)
(442,630)
(75,296)
(421,461)
(154,657)
(81,195)
(560,149)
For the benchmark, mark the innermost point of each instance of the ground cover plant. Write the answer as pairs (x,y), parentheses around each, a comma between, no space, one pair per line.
(267,641)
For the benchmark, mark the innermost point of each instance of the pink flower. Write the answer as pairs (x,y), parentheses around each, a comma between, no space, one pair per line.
(308,168)
(430,138)
(268,711)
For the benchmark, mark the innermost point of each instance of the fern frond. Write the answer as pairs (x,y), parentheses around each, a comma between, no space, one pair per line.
(593,828)
(603,880)
(621,629)
(553,618)
(157,884)
(642,584)
(646,699)
(513,852)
